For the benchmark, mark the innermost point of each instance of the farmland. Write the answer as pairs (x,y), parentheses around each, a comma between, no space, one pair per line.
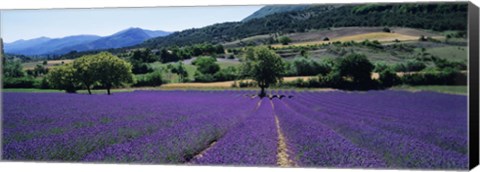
(375,129)
(330,86)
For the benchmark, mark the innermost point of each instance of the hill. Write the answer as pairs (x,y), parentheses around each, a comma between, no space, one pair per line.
(438,17)
(274,9)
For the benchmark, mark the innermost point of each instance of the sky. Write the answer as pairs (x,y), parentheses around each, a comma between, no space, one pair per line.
(57,23)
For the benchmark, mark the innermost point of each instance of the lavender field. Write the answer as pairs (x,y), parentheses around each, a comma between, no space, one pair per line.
(374,129)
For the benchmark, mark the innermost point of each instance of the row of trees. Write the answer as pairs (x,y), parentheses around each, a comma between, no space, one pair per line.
(103,69)
(140,58)
(352,72)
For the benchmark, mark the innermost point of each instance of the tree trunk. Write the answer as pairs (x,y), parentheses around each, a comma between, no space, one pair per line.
(89,92)
(262,93)
(108,90)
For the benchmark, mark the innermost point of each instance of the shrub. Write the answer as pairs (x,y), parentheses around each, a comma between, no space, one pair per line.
(410,66)
(244,84)
(305,67)
(151,79)
(206,65)
(201,77)
(389,78)
(22,82)
(226,74)
(333,79)
(380,66)
(140,67)
(386,29)
(284,40)
(443,64)
(448,76)
(43,84)
(422,38)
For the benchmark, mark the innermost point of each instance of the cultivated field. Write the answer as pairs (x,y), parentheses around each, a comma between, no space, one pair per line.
(50,63)
(375,129)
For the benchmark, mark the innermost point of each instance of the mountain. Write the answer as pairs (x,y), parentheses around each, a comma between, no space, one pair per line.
(17,46)
(124,38)
(41,46)
(430,16)
(47,46)
(274,9)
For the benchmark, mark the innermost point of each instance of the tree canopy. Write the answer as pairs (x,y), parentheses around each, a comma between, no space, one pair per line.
(357,68)
(206,65)
(264,66)
(63,77)
(111,70)
(103,68)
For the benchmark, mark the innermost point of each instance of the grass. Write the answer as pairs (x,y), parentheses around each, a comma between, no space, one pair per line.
(453,53)
(449,89)
(225,64)
(191,69)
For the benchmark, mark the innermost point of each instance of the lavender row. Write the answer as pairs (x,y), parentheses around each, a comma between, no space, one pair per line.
(444,136)
(397,150)
(181,142)
(313,144)
(132,123)
(73,144)
(253,142)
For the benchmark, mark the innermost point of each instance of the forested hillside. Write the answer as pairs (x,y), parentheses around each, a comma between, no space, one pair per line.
(438,17)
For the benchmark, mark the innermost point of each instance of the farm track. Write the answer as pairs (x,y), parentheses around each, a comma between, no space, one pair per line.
(283,159)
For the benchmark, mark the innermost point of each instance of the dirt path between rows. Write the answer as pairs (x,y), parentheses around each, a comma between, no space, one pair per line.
(282,151)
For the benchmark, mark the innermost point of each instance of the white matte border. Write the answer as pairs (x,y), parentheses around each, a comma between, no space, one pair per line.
(81,167)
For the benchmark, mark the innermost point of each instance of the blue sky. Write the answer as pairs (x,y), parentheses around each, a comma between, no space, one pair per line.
(28,24)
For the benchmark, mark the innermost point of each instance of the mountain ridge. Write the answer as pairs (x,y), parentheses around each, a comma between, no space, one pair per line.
(44,46)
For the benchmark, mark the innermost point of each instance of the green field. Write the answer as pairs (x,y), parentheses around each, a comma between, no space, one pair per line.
(453,53)
(191,69)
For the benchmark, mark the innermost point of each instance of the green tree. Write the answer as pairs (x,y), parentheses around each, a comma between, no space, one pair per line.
(264,66)
(226,74)
(150,79)
(12,69)
(389,78)
(284,40)
(63,77)
(111,71)
(143,56)
(206,65)
(39,70)
(358,69)
(180,70)
(85,71)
